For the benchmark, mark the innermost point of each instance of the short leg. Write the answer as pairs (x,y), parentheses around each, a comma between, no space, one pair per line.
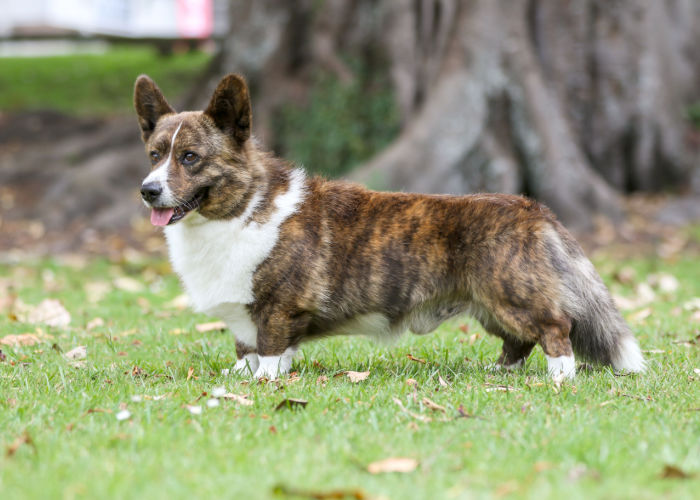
(557,347)
(514,353)
(279,331)
(531,325)
(248,360)
(272,367)
(247,365)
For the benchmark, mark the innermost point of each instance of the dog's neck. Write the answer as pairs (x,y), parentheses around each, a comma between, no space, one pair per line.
(271,178)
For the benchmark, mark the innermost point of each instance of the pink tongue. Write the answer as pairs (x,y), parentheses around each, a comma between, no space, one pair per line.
(161,216)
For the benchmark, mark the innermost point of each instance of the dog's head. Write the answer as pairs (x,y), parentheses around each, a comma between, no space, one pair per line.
(200,160)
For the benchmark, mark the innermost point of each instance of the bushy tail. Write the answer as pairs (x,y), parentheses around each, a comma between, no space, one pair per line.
(599,332)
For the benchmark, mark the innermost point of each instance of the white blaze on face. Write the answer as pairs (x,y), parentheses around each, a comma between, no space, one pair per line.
(160,175)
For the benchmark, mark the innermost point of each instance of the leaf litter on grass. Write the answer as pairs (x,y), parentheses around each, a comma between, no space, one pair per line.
(356,377)
(393,464)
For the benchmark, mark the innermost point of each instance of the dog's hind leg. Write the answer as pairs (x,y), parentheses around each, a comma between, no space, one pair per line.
(514,352)
(556,345)
(543,326)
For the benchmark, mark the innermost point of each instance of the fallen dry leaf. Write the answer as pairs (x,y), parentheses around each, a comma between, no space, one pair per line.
(417,360)
(291,403)
(49,312)
(357,376)
(692,304)
(18,442)
(577,472)
(180,302)
(394,464)
(97,290)
(442,381)
(77,353)
(640,315)
(190,372)
(194,409)
(94,323)
(433,405)
(123,415)
(208,327)
(422,418)
(238,398)
(464,328)
(497,387)
(463,413)
(668,283)
(128,284)
(285,491)
(321,380)
(411,382)
(626,275)
(20,339)
(542,466)
(673,472)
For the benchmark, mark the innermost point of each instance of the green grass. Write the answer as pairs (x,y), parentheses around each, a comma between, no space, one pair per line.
(602,436)
(92,84)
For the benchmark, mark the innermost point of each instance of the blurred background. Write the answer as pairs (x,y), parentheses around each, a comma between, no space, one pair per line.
(591,106)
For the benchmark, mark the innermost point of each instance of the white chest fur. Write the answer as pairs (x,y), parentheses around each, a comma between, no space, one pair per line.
(216,260)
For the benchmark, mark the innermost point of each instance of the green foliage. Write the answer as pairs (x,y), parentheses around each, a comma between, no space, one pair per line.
(693,114)
(90,84)
(341,124)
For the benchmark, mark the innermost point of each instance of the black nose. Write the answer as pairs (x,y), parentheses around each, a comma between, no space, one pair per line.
(151,191)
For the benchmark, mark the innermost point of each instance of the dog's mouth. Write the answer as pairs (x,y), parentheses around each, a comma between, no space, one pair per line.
(163,216)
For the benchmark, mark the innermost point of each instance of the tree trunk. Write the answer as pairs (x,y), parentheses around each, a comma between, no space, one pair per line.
(569,102)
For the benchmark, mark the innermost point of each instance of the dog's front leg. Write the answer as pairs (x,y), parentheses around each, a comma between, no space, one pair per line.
(248,360)
(273,366)
(278,335)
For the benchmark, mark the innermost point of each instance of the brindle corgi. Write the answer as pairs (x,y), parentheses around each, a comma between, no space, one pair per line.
(283,258)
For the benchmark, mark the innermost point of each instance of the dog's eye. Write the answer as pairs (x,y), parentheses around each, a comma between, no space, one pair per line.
(155,157)
(189,158)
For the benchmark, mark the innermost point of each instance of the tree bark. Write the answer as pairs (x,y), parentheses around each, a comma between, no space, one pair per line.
(569,102)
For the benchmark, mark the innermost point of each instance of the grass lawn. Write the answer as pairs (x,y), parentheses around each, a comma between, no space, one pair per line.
(121,424)
(93,84)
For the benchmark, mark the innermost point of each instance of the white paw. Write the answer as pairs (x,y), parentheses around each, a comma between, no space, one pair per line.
(561,367)
(512,366)
(271,367)
(247,365)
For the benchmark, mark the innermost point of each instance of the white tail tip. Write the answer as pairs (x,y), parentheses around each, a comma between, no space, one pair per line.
(629,357)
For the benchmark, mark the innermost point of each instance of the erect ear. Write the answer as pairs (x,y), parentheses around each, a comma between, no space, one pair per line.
(229,108)
(150,105)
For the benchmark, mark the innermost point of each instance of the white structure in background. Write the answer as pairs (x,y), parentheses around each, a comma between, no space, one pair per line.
(145,19)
